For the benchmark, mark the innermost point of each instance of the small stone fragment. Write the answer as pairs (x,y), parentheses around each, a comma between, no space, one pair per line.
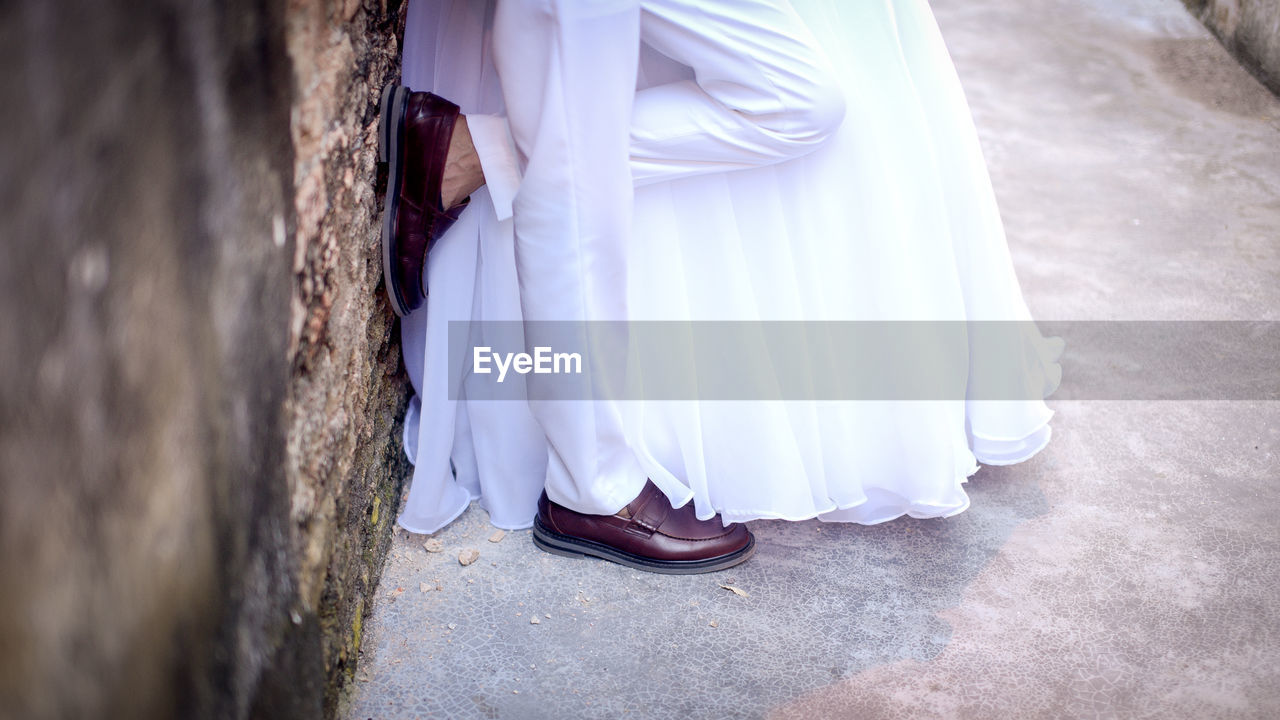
(736,590)
(396,593)
(468,556)
(497,536)
(452,626)
(433,546)
(423,587)
(534,620)
(714,623)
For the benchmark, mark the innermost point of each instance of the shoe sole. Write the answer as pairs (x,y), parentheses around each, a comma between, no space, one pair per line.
(390,138)
(557,544)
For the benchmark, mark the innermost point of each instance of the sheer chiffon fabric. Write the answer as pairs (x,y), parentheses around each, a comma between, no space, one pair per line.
(892,218)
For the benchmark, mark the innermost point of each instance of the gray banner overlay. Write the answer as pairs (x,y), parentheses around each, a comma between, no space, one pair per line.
(884,360)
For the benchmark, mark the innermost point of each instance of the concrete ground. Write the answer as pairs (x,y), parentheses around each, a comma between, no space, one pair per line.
(1130,570)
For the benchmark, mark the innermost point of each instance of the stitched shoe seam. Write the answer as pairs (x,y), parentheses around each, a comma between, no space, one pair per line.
(689,539)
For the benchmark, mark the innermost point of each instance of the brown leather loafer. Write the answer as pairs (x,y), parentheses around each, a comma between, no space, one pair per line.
(413,138)
(648,534)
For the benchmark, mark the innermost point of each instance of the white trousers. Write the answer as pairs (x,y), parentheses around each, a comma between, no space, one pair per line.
(577,137)
(892,218)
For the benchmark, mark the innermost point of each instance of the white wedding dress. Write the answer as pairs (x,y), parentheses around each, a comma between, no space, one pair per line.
(892,219)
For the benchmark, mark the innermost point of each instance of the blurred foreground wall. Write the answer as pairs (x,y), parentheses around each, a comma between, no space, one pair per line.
(1250,29)
(199,383)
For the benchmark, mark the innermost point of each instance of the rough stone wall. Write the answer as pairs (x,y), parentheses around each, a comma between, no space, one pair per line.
(1251,31)
(348,395)
(199,384)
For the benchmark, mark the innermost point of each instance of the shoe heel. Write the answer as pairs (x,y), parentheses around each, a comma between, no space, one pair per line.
(384,115)
(554,550)
(546,546)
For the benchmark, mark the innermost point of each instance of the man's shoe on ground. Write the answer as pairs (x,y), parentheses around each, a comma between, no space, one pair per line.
(413,139)
(648,534)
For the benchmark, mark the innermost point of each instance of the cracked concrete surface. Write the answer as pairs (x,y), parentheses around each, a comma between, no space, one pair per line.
(1130,570)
